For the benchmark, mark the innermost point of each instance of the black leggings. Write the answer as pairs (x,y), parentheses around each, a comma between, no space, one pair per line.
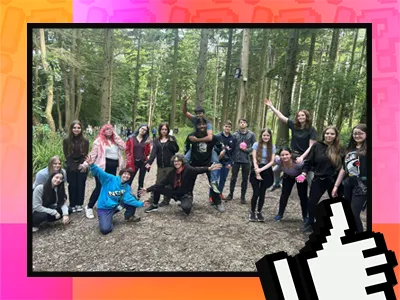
(260,187)
(318,187)
(287,185)
(40,217)
(357,201)
(111,168)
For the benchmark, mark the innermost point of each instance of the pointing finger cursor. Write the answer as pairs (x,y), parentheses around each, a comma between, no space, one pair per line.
(336,262)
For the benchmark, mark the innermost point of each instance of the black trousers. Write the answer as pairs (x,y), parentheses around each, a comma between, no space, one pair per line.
(76,187)
(318,187)
(356,200)
(287,186)
(111,168)
(176,194)
(245,177)
(40,217)
(139,167)
(260,187)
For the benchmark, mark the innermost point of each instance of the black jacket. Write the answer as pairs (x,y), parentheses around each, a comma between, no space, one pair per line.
(163,152)
(188,178)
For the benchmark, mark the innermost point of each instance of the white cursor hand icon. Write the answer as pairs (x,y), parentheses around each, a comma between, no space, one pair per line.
(336,262)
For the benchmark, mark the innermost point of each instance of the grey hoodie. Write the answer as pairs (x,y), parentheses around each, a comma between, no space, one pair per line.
(240,156)
(37,203)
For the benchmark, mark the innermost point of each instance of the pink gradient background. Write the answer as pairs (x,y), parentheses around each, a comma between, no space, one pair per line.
(383,14)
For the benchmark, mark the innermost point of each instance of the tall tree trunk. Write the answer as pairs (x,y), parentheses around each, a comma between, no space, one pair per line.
(216,83)
(287,86)
(174,78)
(360,70)
(72,75)
(60,127)
(260,92)
(105,85)
(323,107)
(277,102)
(49,83)
(136,86)
(64,75)
(297,86)
(270,64)
(227,77)
(306,91)
(149,115)
(347,96)
(202,68)
(78,78)
(244,62)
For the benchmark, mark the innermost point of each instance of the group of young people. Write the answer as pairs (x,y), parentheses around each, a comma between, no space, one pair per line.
(321,165)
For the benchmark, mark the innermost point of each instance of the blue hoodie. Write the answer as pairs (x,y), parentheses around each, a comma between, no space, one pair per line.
(112,190)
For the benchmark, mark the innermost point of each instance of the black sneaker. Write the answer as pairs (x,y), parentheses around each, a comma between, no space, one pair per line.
(252,217)
(229,197)
(163,203)
(260,217)
(243,200)
(132,219)
(151,208)
(308,229)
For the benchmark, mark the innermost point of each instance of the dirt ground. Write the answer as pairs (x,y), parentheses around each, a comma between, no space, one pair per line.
(168,240)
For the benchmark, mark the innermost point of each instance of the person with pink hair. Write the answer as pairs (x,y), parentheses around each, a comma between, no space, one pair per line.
(107,153)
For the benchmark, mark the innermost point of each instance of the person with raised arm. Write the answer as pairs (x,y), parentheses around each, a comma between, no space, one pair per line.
(115,195)
(304,136)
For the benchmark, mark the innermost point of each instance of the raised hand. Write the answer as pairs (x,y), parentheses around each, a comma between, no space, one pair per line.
(267,102)
(90,160)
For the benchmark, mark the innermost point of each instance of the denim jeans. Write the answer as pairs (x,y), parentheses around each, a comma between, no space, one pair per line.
(223,174)
(106,217)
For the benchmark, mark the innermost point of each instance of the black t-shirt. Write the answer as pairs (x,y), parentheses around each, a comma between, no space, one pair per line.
(301,137)
(355,164)
(201,152)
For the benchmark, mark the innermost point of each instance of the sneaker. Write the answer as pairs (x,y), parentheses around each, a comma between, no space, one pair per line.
(163,203)
(252,217)
(243,200)
(308,229)
(78,208)
(275,186)
(220,207)
(222,197)
(214,186)
(151,208)
(73,209)
(277,218)
(89,213)
(229,197)
(260,217)
(34,229)
(211,201)
(133,219)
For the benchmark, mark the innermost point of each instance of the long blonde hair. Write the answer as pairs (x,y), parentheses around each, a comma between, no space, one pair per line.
(334,149)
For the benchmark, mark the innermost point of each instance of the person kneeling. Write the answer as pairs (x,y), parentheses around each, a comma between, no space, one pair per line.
(48,203)
(178,184)
(114,189)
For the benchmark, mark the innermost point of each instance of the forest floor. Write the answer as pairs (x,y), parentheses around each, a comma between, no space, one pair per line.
(168,240)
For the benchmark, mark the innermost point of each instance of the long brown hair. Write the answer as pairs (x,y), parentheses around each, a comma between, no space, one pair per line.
(352,144)
(260,146)
(51,162)
(308,122)
(71,136)
(334,149)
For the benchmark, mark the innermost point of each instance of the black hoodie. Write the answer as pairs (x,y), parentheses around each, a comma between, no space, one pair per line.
(318,158)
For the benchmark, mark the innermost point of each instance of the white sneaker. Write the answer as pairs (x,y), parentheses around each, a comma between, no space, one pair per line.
(34,229)
(78,208)
(89,213)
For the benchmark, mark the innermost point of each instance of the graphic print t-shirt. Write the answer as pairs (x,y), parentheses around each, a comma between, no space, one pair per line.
(355,165)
